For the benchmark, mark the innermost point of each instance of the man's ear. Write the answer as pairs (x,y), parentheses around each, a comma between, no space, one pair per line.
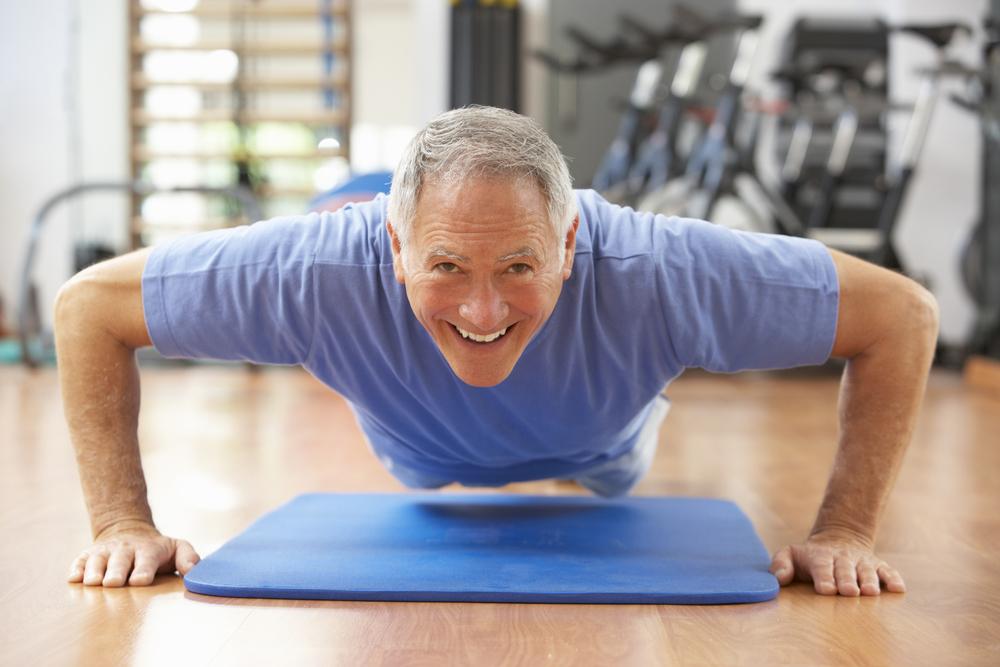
(397,254)
(570,248)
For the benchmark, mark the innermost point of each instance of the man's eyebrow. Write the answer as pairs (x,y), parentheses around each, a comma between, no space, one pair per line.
(520,252)
(438,252)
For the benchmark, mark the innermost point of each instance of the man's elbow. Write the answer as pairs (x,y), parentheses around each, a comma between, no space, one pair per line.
(922,316)
(87,299)
(71,304)
(104,300)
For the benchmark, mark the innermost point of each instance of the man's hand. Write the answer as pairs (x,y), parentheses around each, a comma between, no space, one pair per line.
(836,563)
(887,329)
(132,552)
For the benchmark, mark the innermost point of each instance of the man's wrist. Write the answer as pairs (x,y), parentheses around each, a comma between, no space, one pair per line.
(843,531)
(848,510)
(137,523)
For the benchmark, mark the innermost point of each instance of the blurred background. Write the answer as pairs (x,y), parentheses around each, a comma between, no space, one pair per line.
(869,125)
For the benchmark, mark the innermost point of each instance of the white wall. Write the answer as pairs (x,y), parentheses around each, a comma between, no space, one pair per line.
(391,94)
(33,121)
(62,118)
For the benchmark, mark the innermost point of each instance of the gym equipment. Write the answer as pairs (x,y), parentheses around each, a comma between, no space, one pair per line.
(36,342)
(639,158)
(900,176)
(494,548)
(594,55)
(838,183)
(631,164)
(695,193)
(724,157)
(843,138)
(980,260)
(837,100)
(659,159)
(833,68)
(843,93)
(617,161)
(852,202)
(485,53)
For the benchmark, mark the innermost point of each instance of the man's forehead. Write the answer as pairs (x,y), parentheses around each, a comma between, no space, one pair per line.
(487,219)
(453,196)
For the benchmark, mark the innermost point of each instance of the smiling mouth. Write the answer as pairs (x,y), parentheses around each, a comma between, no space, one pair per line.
(481,340)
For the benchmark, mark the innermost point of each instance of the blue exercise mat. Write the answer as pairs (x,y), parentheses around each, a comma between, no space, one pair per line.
(494,548)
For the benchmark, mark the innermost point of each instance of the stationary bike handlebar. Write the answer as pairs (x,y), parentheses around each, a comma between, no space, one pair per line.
(688,26)
(595,55)
(939,35)
(697,22)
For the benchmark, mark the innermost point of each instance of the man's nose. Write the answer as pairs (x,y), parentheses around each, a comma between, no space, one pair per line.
(484,307)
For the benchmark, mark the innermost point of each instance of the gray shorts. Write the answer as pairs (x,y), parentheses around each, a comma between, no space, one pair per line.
(608,479)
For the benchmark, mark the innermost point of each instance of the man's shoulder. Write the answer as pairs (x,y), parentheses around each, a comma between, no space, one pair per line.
(608,230)
(611,230)
(354,234)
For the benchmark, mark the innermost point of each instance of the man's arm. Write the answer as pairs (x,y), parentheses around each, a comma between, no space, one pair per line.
(99,323)
(886,328)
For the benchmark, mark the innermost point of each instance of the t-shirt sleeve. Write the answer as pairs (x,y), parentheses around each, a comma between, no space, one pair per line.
(245,293)
(736,300)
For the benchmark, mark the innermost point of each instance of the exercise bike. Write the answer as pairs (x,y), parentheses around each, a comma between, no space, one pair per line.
(726,151)
(980,257)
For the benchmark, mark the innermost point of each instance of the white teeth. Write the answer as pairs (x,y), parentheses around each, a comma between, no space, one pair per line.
(481,339)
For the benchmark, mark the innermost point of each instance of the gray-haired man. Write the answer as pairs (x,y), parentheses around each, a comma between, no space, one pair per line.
(490,325)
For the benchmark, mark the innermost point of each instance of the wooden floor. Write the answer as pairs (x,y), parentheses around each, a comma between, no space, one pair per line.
(223,445)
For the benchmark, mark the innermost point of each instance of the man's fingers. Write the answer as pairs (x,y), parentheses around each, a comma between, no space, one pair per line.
(821,571)
(781,566)
(893,580)
(836,565)
(846,573)
(76,569)
(131,558)
(93,574)
(147,561)
(186,557)
(119,565)
(868,578)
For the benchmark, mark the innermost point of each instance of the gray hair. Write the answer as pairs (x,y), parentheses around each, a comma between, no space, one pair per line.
(481,141)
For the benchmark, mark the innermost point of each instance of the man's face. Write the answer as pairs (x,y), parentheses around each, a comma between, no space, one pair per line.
(482,262)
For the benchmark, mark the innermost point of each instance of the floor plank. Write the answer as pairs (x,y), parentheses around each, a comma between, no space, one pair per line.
(221,445)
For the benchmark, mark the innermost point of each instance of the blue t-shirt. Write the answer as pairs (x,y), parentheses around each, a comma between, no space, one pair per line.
(648,297)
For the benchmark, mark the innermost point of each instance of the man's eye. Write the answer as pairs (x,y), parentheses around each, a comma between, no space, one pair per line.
(519,268)
(446,267)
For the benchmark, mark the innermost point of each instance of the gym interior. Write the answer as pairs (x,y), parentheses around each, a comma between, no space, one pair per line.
(871,127)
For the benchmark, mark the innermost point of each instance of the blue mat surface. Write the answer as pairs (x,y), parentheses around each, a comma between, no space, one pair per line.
(494,548)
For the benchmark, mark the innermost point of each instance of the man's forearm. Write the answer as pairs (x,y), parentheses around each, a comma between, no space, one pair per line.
(880,398)
(100,389)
